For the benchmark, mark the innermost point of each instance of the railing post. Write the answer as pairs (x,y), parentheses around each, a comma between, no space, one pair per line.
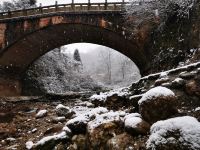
(1,15)
(123,5)
(106,4)
(89,4)
(140,2)
(9,14)
(24,11)
(41,10)
(56,5)
(72,5)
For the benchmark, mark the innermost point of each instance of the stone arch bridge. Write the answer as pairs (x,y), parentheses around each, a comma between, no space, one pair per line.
(25,35)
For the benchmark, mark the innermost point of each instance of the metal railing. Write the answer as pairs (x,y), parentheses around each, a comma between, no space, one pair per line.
(70,7)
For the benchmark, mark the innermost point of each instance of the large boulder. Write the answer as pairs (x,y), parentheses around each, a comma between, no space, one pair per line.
(62,110)
(78,125)
(135,125)
(102,128)
(41,113)
(157,104)
(181,133)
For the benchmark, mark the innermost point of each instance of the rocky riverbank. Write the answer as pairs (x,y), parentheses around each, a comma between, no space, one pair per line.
(160,111)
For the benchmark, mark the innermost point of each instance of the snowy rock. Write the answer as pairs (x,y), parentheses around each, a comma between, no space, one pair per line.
(157,104)
(102,128)
(62,110)
(103,96)
(58,119)
(79,123)
(179,133)
(113,99)
(41,113)
(34,130)
(178,83)
(132,115)
(187,75)
(167,85)
(121,142)
(193,87)
(87,104)
(154,93)
(197,109)
(135,125)
(29,145)
(161,81)
(103,119)
(79,142)
(50,142)
(67,130)
(134,101)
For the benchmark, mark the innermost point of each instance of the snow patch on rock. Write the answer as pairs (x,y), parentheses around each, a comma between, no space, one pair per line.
(156,92)
(188,128)
(132,122)
(197,109)
(103,96)
(132,115)
(102,119)
(85,117)
(41,113)
(56,137)
(29,145)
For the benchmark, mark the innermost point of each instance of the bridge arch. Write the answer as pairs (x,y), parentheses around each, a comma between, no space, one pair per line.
(56,31)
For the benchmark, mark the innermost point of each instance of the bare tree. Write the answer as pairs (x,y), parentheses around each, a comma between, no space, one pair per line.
(123,65)
(106,59)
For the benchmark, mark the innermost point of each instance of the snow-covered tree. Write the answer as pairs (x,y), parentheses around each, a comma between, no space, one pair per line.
(24,3)
(17,4)
(160,9)
(106,59)
(7,6)
(54,73)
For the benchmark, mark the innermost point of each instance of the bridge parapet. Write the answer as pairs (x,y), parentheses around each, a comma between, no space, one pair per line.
(70,7)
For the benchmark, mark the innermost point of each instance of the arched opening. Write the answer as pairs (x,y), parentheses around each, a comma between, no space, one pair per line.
(79,67)
(19,55)
(25,51)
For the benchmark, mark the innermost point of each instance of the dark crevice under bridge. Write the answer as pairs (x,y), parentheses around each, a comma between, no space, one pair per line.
(27,34)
